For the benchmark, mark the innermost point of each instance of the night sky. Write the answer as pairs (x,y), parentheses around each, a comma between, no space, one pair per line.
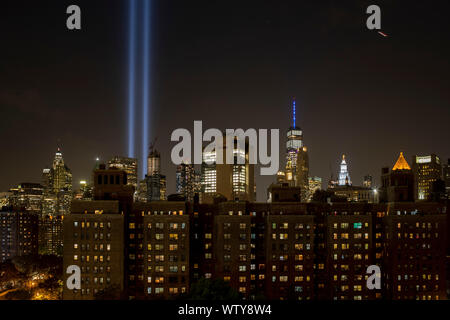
(232,64)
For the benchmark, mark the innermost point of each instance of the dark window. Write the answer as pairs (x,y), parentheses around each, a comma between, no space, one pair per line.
(117,179)
(99,179)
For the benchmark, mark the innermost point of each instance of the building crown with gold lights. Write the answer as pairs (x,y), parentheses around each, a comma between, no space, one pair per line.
(401,163)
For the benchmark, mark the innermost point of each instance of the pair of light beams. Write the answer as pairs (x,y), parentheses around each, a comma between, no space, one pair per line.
(132,56)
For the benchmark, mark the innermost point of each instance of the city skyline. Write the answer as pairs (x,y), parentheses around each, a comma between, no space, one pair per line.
(358,93)
(141,161)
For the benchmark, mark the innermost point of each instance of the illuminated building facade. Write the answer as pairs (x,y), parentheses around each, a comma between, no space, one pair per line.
(58,177)
(356,193)
(283,249)
(414,253)
(290,257)
(231,181)
(4,199)
(427,170)
(142,191)
(232,256)
(94,241)
(85,192)
(157,250)
(27,196)
(187,181)
(156,187)
(153,162)
(155,181)
(315,184)
(344,176)
(51,235)
(349,255)
(57,183)
(166,259)
(302,173)
(293,145)
(129,165)
(18,233)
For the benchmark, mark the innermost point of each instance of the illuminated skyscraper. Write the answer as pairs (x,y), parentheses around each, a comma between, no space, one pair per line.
(302,173)
(232,181)
(344,176)
(397,185)
(56,202)
(293,145)
(427,169)
(28,197)
(186,181)
(156,182)
(58,177)
(129,165)
(153,162)
(18,233)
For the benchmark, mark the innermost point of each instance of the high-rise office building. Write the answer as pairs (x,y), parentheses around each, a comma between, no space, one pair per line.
(155,181)
(57,183)
(427,170)
(344,176)
(129,165)
(294,146)
(58,177)
(397,185)
(232,181)
(142,191)
(186,181)
(156,187)
(51,235)
(18,233)
(27,196)
(302,173)
(85,191)
(153,162)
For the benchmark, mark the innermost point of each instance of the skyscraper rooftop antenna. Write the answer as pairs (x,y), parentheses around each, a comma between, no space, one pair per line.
(294,116)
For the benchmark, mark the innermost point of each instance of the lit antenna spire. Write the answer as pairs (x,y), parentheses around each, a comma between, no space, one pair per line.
(293,113)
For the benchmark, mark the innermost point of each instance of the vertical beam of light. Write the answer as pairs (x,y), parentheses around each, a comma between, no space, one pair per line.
(131,75)
(293,113)
(146,85)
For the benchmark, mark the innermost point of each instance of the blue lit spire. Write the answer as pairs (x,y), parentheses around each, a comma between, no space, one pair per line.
(294,116)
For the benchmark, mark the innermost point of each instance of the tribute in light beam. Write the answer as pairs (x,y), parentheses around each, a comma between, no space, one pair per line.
(131,75)
(145,85)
